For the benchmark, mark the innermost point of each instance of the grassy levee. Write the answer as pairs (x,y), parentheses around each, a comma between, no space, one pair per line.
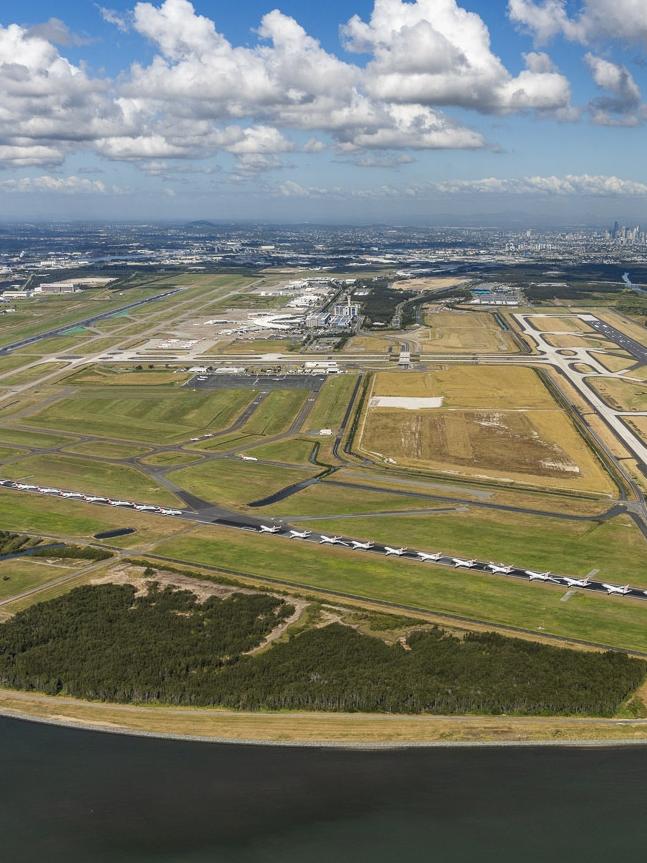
(616,547)
(229,481)
(73,473)
(495,600)
(276,413)
(332,401)
(141,413)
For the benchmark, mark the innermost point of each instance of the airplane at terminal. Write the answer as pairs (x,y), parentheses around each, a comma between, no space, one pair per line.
(424,556)
(265,528)
(397,551)
(331,540)
(538,576)
(299,534)
(614,588)
(361,546)
(504,570)
(576,582)
(467,564)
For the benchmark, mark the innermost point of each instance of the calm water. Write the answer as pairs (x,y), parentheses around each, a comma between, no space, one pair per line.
(83,797)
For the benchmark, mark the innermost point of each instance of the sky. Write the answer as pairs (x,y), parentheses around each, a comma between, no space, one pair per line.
(375,111)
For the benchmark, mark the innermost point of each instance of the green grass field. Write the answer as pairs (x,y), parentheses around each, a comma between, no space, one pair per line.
(44,515)
(143,413)
(496,600)
(291,451)
(230,481)
(169,459)
(28,375)
(616,547)
(105,449)
(325,499)
(28,438)
(19,575)
(277,413)
(332,401)
(74,473)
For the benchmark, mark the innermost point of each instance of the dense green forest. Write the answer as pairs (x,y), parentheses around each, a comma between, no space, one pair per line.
(107,643)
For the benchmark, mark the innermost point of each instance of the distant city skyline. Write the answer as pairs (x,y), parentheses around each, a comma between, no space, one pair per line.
(435,111)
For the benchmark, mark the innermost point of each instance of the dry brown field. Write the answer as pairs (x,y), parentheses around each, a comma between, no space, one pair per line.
(463,332)
(621,395)
(617,362)
(639,425)
(370,344)
(570,341)
(497,423)
(557,324)
(428,283)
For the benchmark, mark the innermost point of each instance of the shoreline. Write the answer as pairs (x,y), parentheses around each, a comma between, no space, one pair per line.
(308,731)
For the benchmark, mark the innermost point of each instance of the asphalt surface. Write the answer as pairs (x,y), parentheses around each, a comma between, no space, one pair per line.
(84,323)
(623,341)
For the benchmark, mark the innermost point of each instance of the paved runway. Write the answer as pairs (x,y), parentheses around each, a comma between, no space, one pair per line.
(623,341)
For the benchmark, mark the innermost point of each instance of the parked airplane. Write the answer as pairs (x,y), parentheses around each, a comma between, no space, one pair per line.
(361,546)
(267,529)
(458,563)
(299,534)
(424,556)
(331,540)
(613,588)
(539,576)
(71,494)
(397,551)
(248,458)
(124,503)
(504,570)
(576,582)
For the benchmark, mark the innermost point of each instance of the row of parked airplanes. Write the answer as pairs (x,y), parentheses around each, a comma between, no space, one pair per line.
(457,562)
(90,498)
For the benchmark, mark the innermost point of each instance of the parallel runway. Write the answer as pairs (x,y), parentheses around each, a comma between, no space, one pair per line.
(59,331)
(315,538)
(638,351)
(283,531)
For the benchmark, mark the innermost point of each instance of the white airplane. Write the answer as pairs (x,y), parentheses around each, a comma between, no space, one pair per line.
(397,551)
(424,556)
(71,494)
(91,498)
(613,588)
(249,458)
(361,546)
(467,564)
(267,529)
(576,582)
(331,540)
(50,490)
(299,534)
(539,576)
(125,503)
(504,570)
